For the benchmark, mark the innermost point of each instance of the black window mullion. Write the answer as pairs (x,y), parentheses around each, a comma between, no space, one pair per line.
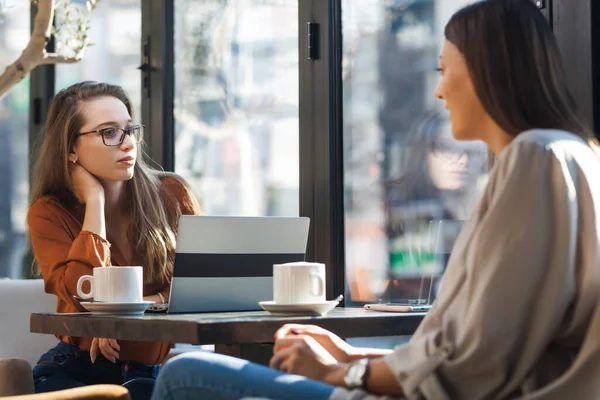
(321,164)
(158,79)
(338,237)
(306,125)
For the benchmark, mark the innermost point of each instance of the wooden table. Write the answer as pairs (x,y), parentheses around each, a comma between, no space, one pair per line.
(241,334)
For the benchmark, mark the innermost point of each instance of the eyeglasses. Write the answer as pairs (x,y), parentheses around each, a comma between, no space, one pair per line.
(114,136)
(452,152)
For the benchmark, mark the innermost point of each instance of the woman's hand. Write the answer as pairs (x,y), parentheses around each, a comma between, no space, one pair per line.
(341,351)
(87,187)
(108,347)
(303,355)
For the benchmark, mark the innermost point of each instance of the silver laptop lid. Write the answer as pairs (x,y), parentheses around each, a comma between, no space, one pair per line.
(226,263)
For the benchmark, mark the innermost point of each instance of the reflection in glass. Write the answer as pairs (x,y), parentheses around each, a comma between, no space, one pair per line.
(408,185)
(236,104)
(14,114)
(115,31)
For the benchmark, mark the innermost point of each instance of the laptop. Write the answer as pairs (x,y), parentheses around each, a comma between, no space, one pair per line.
(226,263)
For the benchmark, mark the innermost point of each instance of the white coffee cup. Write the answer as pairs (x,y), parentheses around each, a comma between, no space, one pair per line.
(299,283)
(114,285)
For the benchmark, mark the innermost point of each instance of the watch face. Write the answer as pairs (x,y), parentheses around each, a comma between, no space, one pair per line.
(355,374)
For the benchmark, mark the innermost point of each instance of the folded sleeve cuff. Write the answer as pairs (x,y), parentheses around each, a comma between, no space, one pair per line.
(415,366)
(90,248)
(88,251)
(95,236)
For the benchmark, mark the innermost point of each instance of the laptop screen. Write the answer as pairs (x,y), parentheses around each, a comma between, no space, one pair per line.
(226,263)
(419,246)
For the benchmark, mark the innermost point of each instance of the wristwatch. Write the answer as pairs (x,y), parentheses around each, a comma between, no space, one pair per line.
(356,374)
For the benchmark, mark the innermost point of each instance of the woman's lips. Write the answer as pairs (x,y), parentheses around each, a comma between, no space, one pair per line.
(461,174)
(127,160)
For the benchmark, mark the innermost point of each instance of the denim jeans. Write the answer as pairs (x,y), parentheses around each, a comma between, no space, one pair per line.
(67,366)
(203,375)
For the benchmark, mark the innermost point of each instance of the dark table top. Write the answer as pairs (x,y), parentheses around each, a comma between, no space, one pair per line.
(221,328)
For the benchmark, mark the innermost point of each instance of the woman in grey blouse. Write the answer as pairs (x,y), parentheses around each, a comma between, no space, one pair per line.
(519,298)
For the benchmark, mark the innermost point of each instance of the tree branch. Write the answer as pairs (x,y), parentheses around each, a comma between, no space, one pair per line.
(52,58)
(35,52)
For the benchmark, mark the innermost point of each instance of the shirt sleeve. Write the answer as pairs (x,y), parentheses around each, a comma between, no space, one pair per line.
(518,273)
(62,255)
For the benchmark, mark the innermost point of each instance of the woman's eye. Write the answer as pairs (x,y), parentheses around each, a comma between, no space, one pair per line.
(109,132)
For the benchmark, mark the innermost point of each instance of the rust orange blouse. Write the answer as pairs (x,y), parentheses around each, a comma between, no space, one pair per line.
(64,253)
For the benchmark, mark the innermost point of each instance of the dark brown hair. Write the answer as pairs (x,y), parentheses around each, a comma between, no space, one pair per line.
(153,223)
(515,66)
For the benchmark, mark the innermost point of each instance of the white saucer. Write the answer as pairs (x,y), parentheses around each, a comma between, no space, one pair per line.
(285,310)
(96,307)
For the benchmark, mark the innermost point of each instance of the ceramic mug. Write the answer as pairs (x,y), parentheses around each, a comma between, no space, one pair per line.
(114,285)
(299,283)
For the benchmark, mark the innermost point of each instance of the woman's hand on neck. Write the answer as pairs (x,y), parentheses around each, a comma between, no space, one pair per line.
(113,197)
(105,209)
(116,216)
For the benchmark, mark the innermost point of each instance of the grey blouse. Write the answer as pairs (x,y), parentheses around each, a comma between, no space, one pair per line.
(521,284)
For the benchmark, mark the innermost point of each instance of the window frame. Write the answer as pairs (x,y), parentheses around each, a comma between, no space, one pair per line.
(158,80)
(321,197)
(321,147)
(320,106)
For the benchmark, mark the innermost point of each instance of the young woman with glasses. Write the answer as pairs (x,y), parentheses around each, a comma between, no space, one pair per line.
(94,203)
(439,170)
(440,181)
(517,314)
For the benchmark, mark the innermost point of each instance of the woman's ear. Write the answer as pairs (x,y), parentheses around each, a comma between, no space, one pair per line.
(73,158)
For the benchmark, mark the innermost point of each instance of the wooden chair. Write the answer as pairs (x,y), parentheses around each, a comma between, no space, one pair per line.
(16,383)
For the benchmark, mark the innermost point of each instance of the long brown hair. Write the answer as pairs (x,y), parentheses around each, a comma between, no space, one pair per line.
(154,211)
(515,66)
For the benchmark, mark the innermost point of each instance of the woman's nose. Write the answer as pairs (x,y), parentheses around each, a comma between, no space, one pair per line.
(127,143)
(463,159)
(438,93)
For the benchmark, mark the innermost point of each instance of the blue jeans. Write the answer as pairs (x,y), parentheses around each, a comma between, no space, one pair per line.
(203,375)
(66,366)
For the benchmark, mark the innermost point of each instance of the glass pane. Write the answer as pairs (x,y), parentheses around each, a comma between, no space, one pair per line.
(115,31)
(236,104)
(14,146)
(408,184)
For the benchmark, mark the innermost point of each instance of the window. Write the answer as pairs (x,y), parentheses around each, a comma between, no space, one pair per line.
(14,147)
(408,185)
(115,32)
(236,104)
